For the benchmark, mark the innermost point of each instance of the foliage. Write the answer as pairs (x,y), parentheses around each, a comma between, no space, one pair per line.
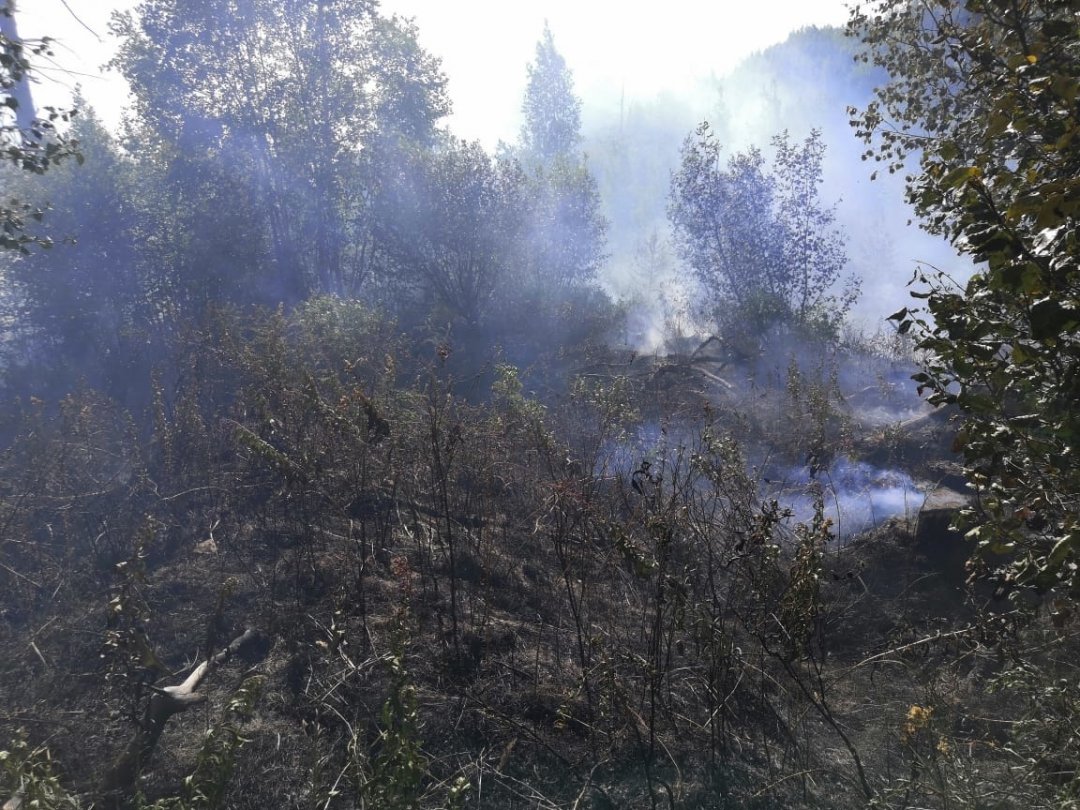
(399,767)
(206,788)
(986,94)
(757,239)
(484,247)
(450,225)
(587,598)
(564,239)
(127,651)
(82,310)
(565,234)
(552,112)
(592,595)
(816,426)
(29,143)
(235,99)
(29,774)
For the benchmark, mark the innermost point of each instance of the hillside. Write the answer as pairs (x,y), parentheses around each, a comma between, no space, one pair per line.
(600,598)
(346,463)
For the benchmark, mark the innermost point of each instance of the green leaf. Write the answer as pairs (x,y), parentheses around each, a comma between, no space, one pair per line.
(1031,280)
(1021,356)
(957,177)
(1050,319)
(1060,552)
(1052,29)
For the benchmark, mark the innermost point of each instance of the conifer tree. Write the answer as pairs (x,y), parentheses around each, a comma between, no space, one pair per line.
(552,112)
(566,235)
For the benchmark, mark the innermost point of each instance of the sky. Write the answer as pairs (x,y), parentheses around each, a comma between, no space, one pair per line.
(615,49)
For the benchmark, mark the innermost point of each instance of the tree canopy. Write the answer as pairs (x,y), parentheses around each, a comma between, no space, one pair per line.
(552,111)
(566,232)
(452,224)
(757,238)
(293,102)
(984,93)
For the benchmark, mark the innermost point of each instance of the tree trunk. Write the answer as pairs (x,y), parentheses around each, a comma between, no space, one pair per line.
(20,91)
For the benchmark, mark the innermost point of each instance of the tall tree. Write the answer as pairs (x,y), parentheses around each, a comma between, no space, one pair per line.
(567,231)
(566,235)
(82,307)
(552,112)
(451,225)
(291,101)
(985,93)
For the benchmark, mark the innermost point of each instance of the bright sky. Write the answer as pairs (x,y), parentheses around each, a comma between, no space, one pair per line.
(613,47)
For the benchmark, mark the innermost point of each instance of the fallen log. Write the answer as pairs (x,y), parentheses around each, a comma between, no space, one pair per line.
(167,701)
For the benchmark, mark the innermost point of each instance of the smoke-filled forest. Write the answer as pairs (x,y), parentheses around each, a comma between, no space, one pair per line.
(713,451)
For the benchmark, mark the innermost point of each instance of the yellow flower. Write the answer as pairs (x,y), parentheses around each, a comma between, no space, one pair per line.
(918,717)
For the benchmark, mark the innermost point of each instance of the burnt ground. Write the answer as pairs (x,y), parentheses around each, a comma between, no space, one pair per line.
(470,597)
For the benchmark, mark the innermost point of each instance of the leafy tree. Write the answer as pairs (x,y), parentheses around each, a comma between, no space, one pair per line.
(81,305)
(289,103)
(450,225)
(566,236)
(30,143)
(985,93)
(758,239)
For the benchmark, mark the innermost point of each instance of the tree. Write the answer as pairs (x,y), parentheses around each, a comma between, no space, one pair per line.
(758,240)
(28,142)
(984,93)
(566,234)
(289,103)
(552,112)
(567,231)
(450,225)
(83,308)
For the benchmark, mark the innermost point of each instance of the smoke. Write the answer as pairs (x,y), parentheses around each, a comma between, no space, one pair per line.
(807,82)
(856,496)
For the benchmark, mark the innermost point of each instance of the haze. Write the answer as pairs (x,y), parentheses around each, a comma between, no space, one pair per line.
(582,448)
(675,69)
(613,49)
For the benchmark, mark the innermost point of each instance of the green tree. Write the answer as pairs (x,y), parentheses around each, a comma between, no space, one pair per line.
(985,94)
(82,308)
(288,105)
(566,233)
(451,227)
(757,238)
(552,111)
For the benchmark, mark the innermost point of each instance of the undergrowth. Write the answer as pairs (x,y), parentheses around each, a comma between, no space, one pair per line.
(484,601)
